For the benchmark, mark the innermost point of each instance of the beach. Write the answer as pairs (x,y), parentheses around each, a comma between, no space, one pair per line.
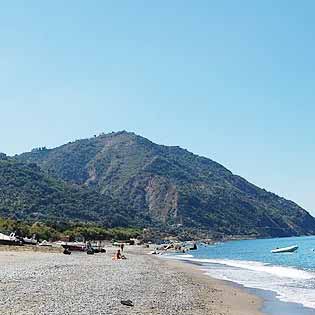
(52,283)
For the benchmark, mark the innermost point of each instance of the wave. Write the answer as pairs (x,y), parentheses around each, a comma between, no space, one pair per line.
(184,256)
(280,271)
(290,284)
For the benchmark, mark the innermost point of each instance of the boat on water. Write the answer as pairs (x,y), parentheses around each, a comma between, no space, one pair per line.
(289,249)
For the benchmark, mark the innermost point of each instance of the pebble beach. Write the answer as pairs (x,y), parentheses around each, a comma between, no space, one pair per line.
(36,283)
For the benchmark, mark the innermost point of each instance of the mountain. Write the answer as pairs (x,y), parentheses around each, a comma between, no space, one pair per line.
(168,186)
(28,193)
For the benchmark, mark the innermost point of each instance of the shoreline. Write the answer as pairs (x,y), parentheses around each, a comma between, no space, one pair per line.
(273,306)
(156,285)
(36,283)
(267,301)
(233,299)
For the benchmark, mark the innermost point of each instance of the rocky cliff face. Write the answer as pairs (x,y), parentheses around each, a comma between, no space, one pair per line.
(169,186)
(162,199)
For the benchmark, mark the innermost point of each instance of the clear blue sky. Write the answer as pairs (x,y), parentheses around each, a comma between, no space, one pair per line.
(230,80)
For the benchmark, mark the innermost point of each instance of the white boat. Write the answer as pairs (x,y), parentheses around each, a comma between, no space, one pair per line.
(45,243)
(289,249)
(30,241)
(9,240)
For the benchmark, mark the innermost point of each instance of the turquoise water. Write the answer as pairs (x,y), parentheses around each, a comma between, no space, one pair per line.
(291,276)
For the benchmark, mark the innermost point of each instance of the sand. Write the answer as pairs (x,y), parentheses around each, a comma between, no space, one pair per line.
(52,283)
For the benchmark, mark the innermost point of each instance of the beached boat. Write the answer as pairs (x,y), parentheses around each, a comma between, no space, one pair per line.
(45,243)
(98,248)
(9,239)
(289,249)
(74,246)
(30,241)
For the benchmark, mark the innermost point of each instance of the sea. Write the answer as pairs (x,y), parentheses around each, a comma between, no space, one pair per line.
(286,281)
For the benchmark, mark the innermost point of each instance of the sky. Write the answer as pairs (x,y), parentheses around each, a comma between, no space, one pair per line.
(229,80)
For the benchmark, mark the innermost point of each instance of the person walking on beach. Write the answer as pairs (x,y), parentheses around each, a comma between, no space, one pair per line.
(122,245)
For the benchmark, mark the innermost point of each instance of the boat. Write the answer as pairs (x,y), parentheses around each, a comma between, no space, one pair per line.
(74,246)
(98,248)
(9,239)
(30,241)
(45,243)
(289,249)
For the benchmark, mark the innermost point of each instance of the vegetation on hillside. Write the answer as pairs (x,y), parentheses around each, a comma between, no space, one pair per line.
(27,193)
(171,187)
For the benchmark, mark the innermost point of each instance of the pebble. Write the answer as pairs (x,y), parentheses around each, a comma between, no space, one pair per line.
(54,284)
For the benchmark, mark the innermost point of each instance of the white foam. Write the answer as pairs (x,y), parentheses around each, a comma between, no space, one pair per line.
(185,256)
(279,271)
(290,284)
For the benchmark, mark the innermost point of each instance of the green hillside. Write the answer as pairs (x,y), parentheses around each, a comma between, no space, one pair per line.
(27,193)
(171,187)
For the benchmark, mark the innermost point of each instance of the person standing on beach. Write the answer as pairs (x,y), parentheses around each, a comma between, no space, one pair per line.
(122,245)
